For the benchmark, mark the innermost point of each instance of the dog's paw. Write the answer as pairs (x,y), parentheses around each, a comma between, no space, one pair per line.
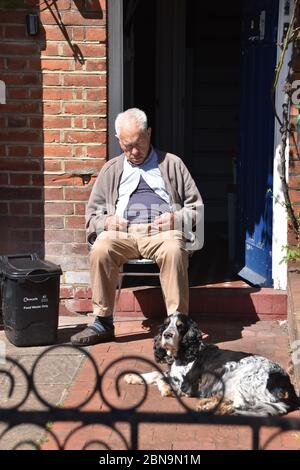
(165,389)
(133,379)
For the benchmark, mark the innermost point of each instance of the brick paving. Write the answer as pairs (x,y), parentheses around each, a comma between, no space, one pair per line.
(133,338)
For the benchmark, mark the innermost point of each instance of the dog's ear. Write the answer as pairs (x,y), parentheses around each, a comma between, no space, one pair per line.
(192,340)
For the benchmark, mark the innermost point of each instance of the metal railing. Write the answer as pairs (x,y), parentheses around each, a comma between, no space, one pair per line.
(21,385)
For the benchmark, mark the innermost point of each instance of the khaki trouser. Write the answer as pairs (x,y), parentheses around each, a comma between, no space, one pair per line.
(113,248)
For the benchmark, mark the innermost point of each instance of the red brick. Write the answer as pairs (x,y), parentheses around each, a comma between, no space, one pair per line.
(21,79)
(60,122)
(63,180)
(18,48)
(80,209)
(8,135)
(15,32)
(51,79)
(37,151)
(96,34)
(17,151)
(76,248)
(79,305)
(3,179)
(65,236)
(84,165)
(52,165)
(77,194)
(66,292)
(77,123)
(16,63)
(54,222)
(53,94)
(82,293)
(80,236)
(25,107)
(56,64)
(19,208)
(78,33)
(75,137)
(59,151)
(36,122)
(36,93)
(38,180)
(87,80)
(78,93)
(37,208)
(12,16)
(34,64)
(97,151)
(20,236)
(51,107)
(17,94)
(19,165)
(96,123)
(85,108)
(17,121)
(52,49)
(20,179)
(70,19)
(99,65)
(59,208)
(294,194)
(51,136)
(53,194)
(3,208)
(96,94)
(54,249)
(53,33)
(24,222)
(75,222)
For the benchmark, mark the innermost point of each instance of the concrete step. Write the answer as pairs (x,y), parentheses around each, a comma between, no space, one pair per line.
(208,302)
(231,299)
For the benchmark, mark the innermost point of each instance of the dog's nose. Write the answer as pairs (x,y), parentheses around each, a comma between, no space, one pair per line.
(168,334)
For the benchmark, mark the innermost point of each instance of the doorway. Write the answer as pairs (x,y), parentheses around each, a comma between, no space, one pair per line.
(182,66)
(182,63)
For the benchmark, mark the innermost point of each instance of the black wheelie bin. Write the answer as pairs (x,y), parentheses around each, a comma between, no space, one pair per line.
(30,299)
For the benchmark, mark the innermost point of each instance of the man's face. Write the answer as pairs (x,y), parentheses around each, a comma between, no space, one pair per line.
(134,143)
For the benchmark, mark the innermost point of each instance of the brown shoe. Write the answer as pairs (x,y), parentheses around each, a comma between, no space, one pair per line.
(90,336)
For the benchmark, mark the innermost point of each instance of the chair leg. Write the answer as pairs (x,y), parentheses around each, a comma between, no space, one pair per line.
(120,282)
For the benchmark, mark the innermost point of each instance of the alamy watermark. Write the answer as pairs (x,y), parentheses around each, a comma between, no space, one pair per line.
(295,347)
(2,352)
(296,93)
(2,92)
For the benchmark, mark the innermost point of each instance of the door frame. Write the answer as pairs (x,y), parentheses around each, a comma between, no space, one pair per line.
(115,71)
(280,222)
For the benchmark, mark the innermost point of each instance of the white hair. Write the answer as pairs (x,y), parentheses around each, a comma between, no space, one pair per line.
(134,115)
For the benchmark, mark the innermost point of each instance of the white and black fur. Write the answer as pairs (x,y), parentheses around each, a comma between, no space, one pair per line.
(246,383)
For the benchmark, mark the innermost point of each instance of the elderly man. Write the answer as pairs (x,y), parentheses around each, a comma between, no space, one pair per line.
(144,203)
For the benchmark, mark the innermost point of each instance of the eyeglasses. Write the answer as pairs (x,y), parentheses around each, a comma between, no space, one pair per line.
(139,145)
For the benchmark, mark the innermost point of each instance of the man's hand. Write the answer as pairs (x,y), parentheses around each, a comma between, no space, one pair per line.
(165,221)
(114,222)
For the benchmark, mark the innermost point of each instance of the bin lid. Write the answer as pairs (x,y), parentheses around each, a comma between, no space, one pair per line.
(27,265)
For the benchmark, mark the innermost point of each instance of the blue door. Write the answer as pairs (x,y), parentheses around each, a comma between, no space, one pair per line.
(258,61)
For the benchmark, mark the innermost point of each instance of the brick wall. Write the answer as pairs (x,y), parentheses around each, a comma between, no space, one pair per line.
(53,132)
(294,151)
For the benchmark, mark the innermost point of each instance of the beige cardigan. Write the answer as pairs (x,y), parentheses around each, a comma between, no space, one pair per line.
(185,198)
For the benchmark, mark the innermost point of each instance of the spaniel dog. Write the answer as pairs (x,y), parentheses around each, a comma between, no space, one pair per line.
(226,382)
